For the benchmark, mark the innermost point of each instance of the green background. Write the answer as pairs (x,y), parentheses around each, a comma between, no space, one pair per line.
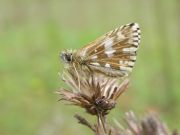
(33,32)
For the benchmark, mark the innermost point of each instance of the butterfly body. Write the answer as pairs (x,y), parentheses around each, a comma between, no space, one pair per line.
(113,54)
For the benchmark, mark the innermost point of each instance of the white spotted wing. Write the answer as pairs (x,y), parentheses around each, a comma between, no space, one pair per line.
(114,53)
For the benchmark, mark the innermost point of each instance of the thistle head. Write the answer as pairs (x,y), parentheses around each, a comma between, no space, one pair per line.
(96,93)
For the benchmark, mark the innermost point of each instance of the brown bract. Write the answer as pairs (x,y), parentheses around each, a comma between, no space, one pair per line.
(95,93)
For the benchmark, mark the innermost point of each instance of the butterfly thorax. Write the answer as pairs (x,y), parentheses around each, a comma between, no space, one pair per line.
(71,57)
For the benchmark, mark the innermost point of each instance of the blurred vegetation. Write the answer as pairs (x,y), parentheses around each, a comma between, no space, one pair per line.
(33,32)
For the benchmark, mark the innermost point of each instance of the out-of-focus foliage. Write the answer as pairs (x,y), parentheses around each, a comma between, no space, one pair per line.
(32,32)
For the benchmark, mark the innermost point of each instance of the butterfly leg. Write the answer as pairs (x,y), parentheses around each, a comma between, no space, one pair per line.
(79,83)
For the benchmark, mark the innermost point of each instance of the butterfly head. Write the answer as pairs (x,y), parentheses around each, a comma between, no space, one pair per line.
(67,56)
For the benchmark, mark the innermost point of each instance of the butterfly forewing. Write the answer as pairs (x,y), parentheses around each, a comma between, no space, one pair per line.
(114,53)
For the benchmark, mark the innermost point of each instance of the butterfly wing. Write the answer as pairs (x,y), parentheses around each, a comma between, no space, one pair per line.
(115,52)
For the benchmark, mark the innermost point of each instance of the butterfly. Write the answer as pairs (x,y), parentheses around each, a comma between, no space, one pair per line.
(113,54)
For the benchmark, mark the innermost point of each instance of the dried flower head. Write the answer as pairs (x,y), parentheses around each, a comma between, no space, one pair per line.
(95,93)
(149,125)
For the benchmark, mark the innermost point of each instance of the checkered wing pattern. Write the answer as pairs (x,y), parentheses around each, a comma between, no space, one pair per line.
(114,53)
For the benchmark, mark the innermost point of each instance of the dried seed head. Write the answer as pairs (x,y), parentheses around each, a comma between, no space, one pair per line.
(97,94)
(149,125)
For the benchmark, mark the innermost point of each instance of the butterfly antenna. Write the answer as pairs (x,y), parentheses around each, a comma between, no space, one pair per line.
(77,76)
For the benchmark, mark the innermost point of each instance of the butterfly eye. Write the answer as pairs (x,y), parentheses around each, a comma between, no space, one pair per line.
(68,57)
